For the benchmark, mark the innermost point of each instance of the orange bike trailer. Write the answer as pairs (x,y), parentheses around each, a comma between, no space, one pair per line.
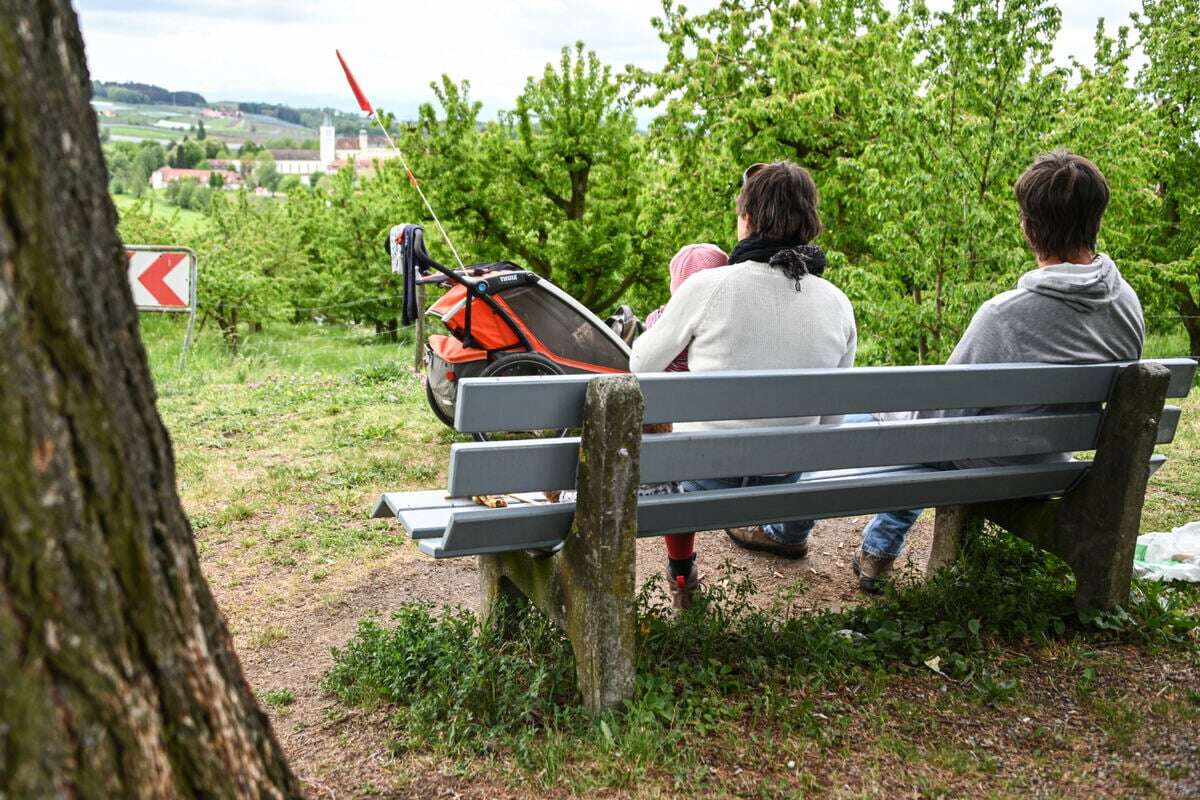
(501,321)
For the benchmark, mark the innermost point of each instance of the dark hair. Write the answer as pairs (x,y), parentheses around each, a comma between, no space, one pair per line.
(1062,198)
(781,201)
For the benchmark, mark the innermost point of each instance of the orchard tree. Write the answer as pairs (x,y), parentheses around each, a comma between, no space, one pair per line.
(764,81)
(255,265)
(117,673)
(935,184)
(1107,119)
(1171,77)
(342,227)
(553,184)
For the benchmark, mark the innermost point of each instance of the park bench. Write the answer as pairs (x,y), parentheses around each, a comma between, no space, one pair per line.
(575,561)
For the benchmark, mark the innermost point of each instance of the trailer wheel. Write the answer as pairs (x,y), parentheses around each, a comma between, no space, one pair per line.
(511,365)
(445,416)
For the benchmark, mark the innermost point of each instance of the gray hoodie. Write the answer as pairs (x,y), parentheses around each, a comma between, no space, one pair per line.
(1061,314)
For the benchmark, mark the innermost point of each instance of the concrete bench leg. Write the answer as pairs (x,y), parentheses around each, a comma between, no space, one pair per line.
(951,526)
(1094,528)
(588,588)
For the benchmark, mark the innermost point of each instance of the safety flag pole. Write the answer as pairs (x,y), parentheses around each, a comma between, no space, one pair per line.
(365,105)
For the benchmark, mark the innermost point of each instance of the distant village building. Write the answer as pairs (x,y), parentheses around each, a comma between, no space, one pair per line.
(363,148)
(164,175)
(298,162)
(334,153)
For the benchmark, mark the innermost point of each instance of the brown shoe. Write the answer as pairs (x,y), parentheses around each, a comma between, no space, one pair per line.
(755,538)
(871,570)
(684,588)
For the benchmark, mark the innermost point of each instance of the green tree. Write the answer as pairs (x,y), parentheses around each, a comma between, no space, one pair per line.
(201,134)
(1171,77)
(553,184)
(253,263)
(935,184)
(265,173)
(763,81)
(186,155)
(342,227)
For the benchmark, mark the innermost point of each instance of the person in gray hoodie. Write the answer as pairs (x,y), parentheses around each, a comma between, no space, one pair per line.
(1075,308)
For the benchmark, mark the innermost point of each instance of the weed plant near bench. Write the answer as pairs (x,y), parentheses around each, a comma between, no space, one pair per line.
(726,665)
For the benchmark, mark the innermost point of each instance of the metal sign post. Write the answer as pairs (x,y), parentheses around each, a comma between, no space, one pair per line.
(163,278)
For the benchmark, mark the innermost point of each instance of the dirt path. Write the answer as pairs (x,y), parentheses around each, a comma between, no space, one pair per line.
(284,628)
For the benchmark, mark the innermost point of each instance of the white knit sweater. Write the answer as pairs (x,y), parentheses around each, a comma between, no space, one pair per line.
(750,316)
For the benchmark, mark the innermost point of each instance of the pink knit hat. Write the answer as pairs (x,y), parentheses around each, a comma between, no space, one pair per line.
(693,258)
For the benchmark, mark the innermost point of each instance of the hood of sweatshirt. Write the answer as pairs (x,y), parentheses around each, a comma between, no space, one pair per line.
(1084,287)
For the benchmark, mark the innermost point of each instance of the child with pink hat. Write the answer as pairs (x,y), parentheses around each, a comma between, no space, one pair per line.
(690,259)
(681,547)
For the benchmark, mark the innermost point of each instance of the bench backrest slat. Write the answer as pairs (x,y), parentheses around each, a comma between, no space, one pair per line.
(513,404)
(538,464)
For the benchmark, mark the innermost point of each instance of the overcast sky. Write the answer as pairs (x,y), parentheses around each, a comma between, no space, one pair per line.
(282,50)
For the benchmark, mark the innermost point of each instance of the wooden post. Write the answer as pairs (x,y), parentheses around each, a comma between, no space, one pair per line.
(1094,528)
(588,587)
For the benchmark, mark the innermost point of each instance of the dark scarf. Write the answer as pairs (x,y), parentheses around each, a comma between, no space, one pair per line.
(795,259)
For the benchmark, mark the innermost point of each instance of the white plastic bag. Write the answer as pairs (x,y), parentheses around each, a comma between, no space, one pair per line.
(1173,556)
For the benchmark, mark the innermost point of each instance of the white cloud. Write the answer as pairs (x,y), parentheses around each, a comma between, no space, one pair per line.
(283,50)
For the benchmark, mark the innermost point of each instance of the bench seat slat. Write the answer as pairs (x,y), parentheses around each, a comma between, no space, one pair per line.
(391,504)
(474,532)
(1168,424)
(514,404)
(497,467)
(428,523)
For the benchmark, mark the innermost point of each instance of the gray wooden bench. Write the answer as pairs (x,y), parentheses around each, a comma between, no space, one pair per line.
(1088,513)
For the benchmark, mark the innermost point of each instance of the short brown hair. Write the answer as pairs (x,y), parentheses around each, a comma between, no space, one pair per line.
(781,201)
(1062,198)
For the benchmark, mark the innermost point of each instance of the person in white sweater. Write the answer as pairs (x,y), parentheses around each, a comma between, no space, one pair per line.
(769,309)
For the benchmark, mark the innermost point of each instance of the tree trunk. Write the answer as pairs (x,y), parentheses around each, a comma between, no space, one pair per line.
(117,674)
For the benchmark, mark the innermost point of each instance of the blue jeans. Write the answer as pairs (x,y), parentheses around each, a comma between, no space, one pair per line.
(782,532)
(886,533)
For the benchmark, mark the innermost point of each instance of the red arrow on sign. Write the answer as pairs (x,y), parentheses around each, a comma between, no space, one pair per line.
(152,279)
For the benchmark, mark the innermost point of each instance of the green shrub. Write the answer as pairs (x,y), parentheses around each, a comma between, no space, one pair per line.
(460,686)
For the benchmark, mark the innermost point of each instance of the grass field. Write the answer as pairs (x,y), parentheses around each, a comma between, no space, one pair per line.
(982,683)
(183,220)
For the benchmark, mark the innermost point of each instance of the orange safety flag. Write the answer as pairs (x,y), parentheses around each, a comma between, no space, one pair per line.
(363,102)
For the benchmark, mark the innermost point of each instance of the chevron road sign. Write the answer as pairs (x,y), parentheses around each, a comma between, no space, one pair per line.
(161,278)
(164,279)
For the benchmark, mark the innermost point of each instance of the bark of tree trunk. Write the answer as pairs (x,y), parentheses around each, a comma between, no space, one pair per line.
(117,674)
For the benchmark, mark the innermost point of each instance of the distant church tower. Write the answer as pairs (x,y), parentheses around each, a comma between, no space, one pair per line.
(363,141)
(328,143)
